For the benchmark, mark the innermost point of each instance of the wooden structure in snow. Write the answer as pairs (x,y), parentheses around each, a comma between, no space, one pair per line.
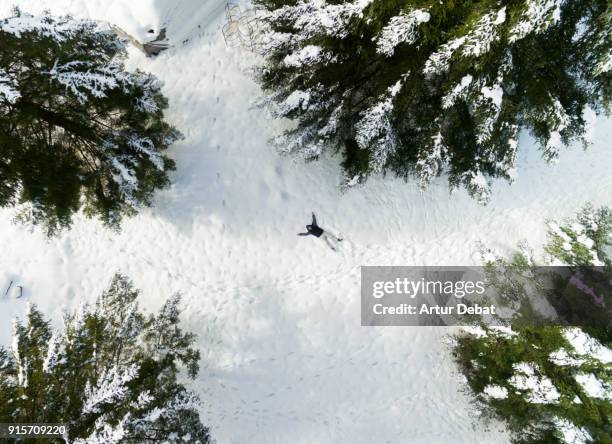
(152,48)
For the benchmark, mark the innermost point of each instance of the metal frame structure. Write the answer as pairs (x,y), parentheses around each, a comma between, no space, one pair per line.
(242,28)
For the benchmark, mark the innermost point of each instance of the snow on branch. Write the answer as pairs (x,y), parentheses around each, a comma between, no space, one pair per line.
(316,16)
(459,91)
(506,165)
(439,61)
(55,350)
(586,346)
(475,43)
(431,160)
(309,100)
(538,16)
(126,180)
(485,33)
(91,78)
(122,165)
(84,78)
(594,387)
(105,433)
(401,29)
(554,114)
(485,103)
(273,40)
(308,55)
(477,185)
(574,244)
(571,433)
(21,362)
(110,388)
(604,65)
(145,146)
(330,126)
(306,144)
(375,130)
(171,410)
(489,102)
(296,100)
(46,26)
(149,85)
(539,388)
(317,104)
(88,79)
(144,399)
(8,87)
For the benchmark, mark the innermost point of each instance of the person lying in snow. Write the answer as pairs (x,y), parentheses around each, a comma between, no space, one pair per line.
(317,231)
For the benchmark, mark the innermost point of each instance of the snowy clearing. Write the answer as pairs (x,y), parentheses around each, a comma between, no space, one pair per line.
(284,356)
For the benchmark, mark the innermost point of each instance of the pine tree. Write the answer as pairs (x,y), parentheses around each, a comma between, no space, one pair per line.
(551,383)
(548,384)
(574,276)
(76,129)
(110,373)
(418,88)
(582,241)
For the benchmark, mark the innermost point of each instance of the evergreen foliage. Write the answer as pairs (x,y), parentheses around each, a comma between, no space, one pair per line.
(110,373)
(421,87)
(550,384)
(540,384)
(584,241)
(76,130)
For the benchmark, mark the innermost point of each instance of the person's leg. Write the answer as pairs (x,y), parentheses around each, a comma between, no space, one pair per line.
(337,236)
(329,239)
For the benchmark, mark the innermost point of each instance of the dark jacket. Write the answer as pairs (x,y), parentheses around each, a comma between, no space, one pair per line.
(313,228)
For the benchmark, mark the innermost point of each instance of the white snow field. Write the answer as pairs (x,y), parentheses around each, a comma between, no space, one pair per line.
(284,359)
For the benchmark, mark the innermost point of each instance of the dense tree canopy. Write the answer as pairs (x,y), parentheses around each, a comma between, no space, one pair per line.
(421,87)
(549,378)
(76,130)
(110,374)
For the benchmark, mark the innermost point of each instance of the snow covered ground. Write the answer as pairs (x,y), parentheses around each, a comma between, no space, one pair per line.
(284,357)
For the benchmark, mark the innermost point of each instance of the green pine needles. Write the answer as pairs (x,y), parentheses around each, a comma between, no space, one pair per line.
(419,88)
(111,373)
(76,130)
(549,383)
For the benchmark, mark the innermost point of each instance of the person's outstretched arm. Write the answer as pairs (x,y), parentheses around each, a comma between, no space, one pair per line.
(303,234)
(314,220)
